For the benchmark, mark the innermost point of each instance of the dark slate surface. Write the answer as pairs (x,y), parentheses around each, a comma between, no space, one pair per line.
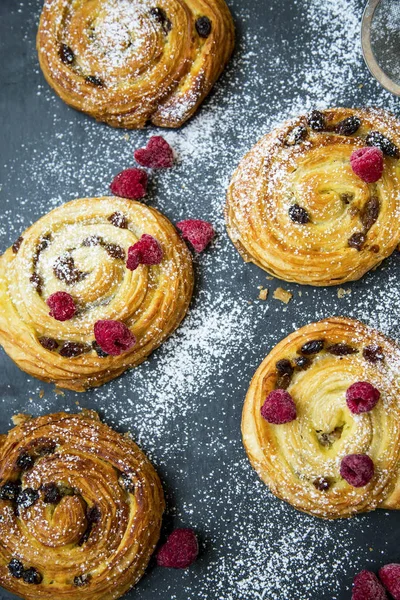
(184,404)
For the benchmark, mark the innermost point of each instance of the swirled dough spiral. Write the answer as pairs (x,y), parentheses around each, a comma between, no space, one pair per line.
(292,458)
(80,248)
(127,62)
(343,226)
(96,511)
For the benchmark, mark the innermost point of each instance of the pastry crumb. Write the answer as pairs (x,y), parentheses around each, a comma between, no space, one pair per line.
(269,277)
(41,393)
(58,392)
(283,295)
(263,295)
(20,419)
(341,293)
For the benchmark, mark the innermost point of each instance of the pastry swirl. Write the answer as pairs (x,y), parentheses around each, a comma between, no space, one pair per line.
(301,460)
(296,208)
(81,249)
(127,62)
(81,509)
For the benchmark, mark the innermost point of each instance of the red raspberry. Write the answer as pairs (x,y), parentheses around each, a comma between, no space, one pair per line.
(279,408)
(362,397)
(367,163)
(198,233)
(390,577)
(366,586)
(62,306)
(131,183)
(158,154)
(179,551)
(147,251)
(357,469)
(113,337)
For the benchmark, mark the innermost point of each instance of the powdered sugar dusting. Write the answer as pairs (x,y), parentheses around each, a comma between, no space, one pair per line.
(184,404)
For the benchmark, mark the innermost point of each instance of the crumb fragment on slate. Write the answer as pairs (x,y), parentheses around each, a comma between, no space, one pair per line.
(341,293)
(263,295)
(283,295)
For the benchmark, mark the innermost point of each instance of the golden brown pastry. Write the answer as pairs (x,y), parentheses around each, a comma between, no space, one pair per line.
(297,209)
(91,289)
(81,509)
(127,62)
(321,419)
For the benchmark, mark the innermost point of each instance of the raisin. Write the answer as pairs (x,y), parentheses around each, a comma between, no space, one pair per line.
(10,490)
(316,120)
(94,80)
(46,448)
(37,282)
(348,126)
(283,382)
(373,353)
(302,362)
(203,27)
(375,248)
(284,366)
(81,580)
(16,568)
(33,576)
(72,349)
(370,212)
(64,269)
(27,498)
(17,244)
(44,242)
(93,514)
(375,138)
(100,352)
(25,461)
(321,484)
(48,343)
(66,54)
(127,483)
(346,198)
(298,214)
(115,251)
(51,494)
(118,220)
(93,240)
(160,16)
(297,135)
(341,349)
(357,240)
(312,347)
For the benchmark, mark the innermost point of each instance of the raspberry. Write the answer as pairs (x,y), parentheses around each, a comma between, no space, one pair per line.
(357,469)
(62,306)
(390,577)
(131,183)
(179,551)
(361,397)
(366,586)
(279,408)
(367,163)
(158,154)
(198,233)
(147,251)
(113,337)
